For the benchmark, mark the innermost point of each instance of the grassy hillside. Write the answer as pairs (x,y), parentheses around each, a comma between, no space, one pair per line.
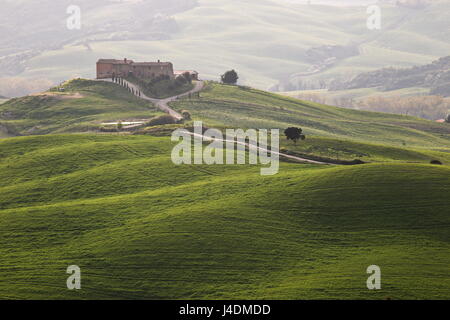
(243,107)
(332,132)
(359,93)
(141,227)
(434,76)
(329,148)
(3,99)
(83,106)
(161,88)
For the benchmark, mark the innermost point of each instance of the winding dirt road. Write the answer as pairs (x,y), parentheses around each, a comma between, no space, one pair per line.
(163,104)
(255,148)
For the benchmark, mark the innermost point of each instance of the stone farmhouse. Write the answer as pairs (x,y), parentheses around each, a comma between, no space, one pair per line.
(111,68)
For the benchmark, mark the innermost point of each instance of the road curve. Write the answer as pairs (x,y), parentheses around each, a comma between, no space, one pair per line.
(246,144)
(163,104)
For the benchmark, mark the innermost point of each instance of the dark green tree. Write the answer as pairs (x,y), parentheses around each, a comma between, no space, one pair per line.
(294,134)
(230,77)
(180,81)
(186,115)
(188,77)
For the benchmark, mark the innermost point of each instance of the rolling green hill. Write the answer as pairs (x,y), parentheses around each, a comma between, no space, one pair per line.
(332,132)
(141,227)
(242,107)
(435,76)
(3,99)
(83,106)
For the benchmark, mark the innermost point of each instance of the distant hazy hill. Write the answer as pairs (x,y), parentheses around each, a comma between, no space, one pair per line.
(31,28)
(435,76)
(272,44)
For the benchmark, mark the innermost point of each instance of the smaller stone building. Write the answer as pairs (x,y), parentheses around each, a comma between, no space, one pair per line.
(192,73)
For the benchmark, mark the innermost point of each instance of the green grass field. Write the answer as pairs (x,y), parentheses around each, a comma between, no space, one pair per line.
(141,227)
(360,94)
(83,106)
(161,89)
(368,152)
(330,127)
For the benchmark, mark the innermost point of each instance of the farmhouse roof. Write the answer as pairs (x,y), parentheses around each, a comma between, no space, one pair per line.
(152,63)
(131,62)
(115,61)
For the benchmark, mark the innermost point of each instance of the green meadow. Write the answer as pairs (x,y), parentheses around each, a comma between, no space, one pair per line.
(141,227)
(243,107)
(83,106)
